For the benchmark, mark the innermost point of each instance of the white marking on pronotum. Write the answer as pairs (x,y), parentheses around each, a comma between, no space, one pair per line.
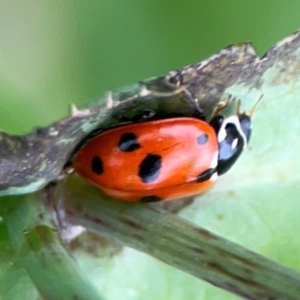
(234,143)
(233,120)
(214,161)
(214,177)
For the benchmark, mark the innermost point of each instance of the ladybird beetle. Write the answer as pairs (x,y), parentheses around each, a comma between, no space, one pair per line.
(164,159)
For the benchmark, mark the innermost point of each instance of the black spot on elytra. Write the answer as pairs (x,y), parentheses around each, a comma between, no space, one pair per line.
(148,199)
(205,175)
(149,168)
(97,165)
(128,142)
(202,139)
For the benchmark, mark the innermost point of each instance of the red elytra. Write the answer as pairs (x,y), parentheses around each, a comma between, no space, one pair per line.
(156,160)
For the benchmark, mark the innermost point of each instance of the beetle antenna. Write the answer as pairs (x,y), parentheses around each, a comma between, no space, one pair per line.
(250,113)
(221,106)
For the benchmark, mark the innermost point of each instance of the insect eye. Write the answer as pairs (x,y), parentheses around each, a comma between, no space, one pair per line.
(245,122)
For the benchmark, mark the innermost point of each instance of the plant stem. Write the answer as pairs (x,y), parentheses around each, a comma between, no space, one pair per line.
(36,240)
(179,243)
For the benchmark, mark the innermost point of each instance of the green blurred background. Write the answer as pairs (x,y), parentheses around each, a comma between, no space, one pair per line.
(53,53)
